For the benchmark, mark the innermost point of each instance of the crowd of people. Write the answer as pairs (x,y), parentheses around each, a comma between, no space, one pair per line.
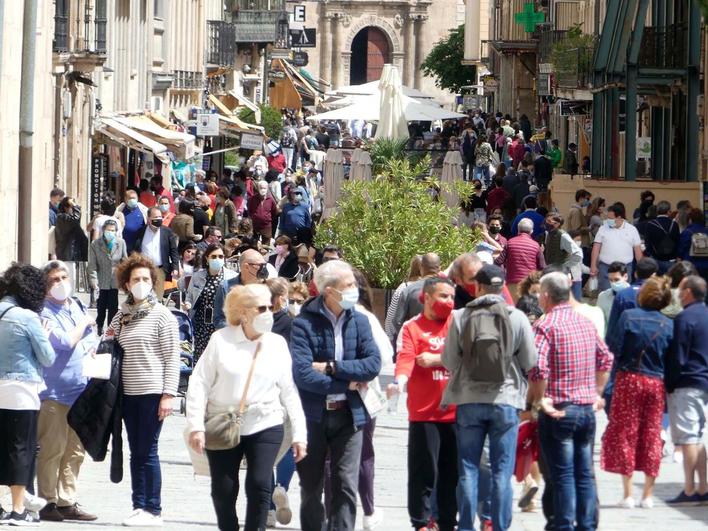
(505,356)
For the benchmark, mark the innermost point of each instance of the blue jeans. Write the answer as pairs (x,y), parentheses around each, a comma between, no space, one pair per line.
(566,444)
(577,289)
(284,471)
(143,428)
(482,173)
(474,423)
(602,282)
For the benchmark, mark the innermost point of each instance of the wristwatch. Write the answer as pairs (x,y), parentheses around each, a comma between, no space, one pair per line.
(329,368)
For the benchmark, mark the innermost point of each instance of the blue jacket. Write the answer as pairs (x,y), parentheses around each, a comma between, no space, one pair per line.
(220,299)
(646,331)
(687,361)
(24,346)
(294,217)
(684,246)
(538,222)
(625,299)
(312,339)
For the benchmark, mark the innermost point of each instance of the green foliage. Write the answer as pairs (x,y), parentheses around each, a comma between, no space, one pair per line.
(385,150)
(444,62)
(703,4)
(572,54)
(381,224)
(271,119)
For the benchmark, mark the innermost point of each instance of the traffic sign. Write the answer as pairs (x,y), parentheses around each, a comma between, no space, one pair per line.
(299,13)
(300,58)
(305,38)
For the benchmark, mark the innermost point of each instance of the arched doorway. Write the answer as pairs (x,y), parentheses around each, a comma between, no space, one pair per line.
(370,51)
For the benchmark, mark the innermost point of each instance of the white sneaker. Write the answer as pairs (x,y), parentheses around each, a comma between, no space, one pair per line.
(34,503)
(373,521)
(647,503)
(627,503)
(678,457)
(283,514)
(142,518)
(270,521)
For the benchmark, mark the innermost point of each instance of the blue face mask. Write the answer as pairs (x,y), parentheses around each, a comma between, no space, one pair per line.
(349,298)
(215,264)
(132,203)
(610,223)
(619,285)
(585,203)
(109,236)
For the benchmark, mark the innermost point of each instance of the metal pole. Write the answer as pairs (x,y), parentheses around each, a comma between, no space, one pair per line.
(29,43)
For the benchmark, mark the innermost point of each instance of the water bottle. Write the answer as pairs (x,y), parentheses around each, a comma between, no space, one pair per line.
(393,400)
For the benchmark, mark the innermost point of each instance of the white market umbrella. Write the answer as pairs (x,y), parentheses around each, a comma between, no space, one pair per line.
(392,120)
(451,173)
(368,109)
(365,166)
(354,165)
(333,177)
(372,87)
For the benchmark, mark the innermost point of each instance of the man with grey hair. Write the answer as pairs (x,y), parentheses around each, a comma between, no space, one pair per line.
(334,356)
(661,237)
(523,256)
(566,388)
(253,269)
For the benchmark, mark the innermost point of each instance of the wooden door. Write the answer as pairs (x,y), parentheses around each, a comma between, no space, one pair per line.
(377,54)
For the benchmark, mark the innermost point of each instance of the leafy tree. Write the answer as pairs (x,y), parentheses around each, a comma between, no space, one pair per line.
(703,4)
(271,119)
(444,62)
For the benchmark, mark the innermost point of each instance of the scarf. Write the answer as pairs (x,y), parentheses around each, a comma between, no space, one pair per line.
(133,312)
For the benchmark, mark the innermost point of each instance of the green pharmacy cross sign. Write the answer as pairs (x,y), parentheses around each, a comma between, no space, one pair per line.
(529,18)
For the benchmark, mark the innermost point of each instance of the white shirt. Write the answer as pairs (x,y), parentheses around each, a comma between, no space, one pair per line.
(219,379)
(151,246)
(337,323)
(617,243)
(380,338)
(20,396)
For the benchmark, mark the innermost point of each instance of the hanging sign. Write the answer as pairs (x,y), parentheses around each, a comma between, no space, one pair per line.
(249,141)
(208,125)
(304,38)
(99,172)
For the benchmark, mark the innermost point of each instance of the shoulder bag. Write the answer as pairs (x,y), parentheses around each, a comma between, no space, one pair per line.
(222,429)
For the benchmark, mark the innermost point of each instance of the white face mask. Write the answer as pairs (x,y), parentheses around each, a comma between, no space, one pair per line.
(295,308)
(141,290)
(263,322)
(61,290)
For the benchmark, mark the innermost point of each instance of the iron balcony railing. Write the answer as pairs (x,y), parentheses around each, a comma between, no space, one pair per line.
(664,47)
(221,45)
(258,5)
(61,26)
(546,40)
(92,33)
(261,26)
(184,79)
(574,68)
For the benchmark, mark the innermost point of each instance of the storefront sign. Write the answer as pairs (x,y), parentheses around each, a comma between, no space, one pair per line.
(249,141)
(299,13)
(207,125)
(99,173)
(304,38)
(574,108)
(300,58)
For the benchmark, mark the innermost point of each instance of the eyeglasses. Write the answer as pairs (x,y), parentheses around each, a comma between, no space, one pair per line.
(295,301)
(264,308)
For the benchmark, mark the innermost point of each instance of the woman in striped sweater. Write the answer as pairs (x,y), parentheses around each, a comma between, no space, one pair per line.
(148,333)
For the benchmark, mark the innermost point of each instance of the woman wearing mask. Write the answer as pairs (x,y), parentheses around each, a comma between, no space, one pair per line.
(285,258)
(297,295)
(201,293)
(25,351)
(104,256)
(71,240)
(147,331)
(483,157)
(167,215)
(246,346)
(225,215)
(183,223)
(632,440)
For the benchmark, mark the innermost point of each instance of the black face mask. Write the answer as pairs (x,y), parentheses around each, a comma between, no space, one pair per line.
(262,273)
(156,222)
(494,230)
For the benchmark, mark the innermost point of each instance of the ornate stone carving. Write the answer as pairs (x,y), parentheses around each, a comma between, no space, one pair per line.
(378,22)
(398,20)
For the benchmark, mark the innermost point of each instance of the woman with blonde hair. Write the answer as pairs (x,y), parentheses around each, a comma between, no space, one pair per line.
(297,295)
(254,371)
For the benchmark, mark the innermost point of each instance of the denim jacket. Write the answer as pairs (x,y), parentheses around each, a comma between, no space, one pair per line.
(642,330)
(24,345)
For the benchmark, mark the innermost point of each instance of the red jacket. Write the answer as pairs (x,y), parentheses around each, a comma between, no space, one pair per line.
(425,385)
(277,162)
(263,211)
(496,199)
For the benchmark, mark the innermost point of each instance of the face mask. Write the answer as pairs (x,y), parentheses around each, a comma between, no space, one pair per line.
(164,208)
(549,227)
(109,235)
(263,322)
(443,309)
(262,273)
(141,290)
(262,192)
(156,222)
(281,249)
(61,290)
(215,264)
(471,289)
(349,298)
(619,285)
(494,229)
(610,223)
(295,308)
(585,203)
(132,203)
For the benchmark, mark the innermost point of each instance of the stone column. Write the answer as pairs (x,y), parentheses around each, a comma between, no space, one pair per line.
(326,48)
(409,60)
(419,20)
(337,31)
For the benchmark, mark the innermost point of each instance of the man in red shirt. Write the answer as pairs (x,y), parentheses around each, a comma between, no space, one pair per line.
(161,191)
(516,151)
(263,211)
(432,441)
(523,256)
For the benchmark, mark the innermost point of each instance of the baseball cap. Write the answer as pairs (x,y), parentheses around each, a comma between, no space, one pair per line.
(490,275)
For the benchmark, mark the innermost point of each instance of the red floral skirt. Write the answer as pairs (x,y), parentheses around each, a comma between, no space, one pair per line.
(632,440)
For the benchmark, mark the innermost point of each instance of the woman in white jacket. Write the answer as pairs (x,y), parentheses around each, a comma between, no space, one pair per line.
(218,383)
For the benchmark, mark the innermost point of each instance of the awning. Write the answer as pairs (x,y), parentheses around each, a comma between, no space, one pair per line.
(230,126)
(244,101)
(225,112)
(181,144)
(131,138)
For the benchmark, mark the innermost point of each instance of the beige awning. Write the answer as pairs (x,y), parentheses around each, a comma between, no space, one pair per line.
(181,144)
(225,112)
(244,101)
(131,138)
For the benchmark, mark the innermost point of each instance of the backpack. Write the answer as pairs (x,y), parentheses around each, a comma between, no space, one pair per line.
(666,245)
(487,343)
(699,245)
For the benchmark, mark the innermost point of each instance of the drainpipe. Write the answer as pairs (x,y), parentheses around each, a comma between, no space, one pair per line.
(29,43)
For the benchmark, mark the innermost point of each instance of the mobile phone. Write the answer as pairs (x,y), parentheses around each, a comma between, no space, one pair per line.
(208,315)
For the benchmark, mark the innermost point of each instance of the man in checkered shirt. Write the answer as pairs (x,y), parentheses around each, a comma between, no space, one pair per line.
(566,387)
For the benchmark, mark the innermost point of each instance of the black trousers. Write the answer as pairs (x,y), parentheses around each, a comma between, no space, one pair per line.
(260,450)
(338,436)
(107,303)
(432,467)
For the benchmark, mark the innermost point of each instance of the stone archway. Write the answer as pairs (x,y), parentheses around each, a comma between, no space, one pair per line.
(370,51)
(379,24)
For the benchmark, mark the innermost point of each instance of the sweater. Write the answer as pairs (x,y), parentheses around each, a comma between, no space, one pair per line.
(425,385)
(219,380)
(102,263)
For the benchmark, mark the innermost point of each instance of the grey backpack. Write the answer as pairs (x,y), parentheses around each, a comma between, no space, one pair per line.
(487,348)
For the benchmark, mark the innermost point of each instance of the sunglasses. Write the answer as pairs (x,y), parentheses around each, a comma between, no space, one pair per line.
(264,308)
(295,301)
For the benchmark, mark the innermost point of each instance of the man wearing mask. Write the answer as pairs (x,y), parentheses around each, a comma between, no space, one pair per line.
(61,452)
(165,208)
(211,236)
(295,217)
(263,212)
(160,245)
(161,191)
(136,218)
(334,356)
(561,250)
(576,219)
(55,198)
(494,226)
(253,269)
(619,280)
(432,441)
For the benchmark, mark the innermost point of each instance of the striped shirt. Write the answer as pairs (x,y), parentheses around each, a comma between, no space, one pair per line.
(523,255)
(151,358)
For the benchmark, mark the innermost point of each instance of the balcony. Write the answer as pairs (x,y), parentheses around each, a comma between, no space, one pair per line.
(664,47)
(573,68)
(186,80)
(546,40)
(261,27)
(90,30)
(221,43)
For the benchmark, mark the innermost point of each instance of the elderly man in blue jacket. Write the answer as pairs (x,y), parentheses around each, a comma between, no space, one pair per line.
(334,355)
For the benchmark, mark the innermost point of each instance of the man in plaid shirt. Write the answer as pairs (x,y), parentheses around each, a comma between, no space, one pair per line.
(566,386)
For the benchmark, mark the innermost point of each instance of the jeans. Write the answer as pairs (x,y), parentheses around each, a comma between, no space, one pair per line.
(336,435)
(602,282)
(284,473)
(366,468)
(482,171)
(289,154)
(664,266)
(474,423)
(143,427)
(107,305)
(566,444)
(577,290)
(260,450)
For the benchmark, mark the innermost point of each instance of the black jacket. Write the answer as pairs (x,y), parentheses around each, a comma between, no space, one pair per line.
(289,268)
(168,249)
(97,414)
(282,324)
(71,240)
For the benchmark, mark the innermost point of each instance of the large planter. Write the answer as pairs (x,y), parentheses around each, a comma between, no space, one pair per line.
(380,303)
